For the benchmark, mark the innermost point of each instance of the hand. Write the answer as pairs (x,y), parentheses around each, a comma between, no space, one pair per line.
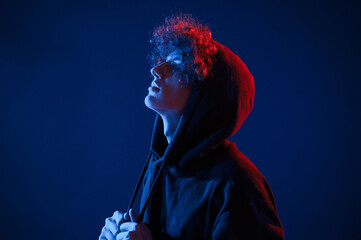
(132,230)
(111,227)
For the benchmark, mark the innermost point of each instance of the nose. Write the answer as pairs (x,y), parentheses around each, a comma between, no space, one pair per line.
(154,72)
(161,70)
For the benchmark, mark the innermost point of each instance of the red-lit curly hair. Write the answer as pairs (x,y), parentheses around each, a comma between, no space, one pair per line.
(193,40)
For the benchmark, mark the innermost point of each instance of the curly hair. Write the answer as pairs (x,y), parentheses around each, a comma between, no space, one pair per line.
(191,39)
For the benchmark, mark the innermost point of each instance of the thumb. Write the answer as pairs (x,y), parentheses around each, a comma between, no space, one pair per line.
(133,216)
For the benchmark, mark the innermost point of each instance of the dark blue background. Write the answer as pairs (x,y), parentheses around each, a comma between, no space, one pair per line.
(74,131)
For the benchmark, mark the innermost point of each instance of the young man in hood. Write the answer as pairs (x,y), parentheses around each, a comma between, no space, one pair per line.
(196,183)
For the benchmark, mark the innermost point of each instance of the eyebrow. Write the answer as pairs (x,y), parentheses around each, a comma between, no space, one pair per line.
(175,57)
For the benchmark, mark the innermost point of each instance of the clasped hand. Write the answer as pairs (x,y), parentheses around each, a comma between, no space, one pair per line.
(124,226)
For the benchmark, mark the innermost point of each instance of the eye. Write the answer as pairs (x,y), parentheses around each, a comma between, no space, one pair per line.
(174,67)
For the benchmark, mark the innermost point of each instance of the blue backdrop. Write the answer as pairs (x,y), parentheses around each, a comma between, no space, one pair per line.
(74,130)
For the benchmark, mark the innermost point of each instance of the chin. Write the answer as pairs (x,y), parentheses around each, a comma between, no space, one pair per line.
(151,103)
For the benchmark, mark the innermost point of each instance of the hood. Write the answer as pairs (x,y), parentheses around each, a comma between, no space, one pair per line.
(215,111)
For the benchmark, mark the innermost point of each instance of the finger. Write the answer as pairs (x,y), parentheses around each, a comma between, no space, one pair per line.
(118,217)
(126,217)
(122,236)
(127,226)
(101,237)
(111,225)
(133,216)
(107,234)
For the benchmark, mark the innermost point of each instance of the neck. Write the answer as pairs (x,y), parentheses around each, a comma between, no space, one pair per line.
(170,123)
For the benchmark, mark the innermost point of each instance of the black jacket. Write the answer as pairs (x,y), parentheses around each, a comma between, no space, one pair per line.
(203,186)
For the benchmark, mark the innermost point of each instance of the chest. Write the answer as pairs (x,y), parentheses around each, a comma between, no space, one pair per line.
(187,208)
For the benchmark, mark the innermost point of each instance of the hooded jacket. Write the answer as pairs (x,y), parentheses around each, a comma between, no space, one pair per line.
(201,186)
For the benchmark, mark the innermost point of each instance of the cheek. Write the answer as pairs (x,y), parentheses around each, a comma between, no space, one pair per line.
(169,96)
(181,97)
(169,91)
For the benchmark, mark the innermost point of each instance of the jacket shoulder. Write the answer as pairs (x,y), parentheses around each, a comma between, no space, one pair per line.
(232,167)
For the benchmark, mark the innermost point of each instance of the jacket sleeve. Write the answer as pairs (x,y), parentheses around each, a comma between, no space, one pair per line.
(246,212)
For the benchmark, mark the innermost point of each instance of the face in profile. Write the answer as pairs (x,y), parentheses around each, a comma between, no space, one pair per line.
(165,93)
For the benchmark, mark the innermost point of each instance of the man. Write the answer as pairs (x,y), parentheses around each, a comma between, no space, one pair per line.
(196,183)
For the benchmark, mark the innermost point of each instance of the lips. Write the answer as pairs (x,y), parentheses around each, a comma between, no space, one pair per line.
(155,85)
(153,89)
